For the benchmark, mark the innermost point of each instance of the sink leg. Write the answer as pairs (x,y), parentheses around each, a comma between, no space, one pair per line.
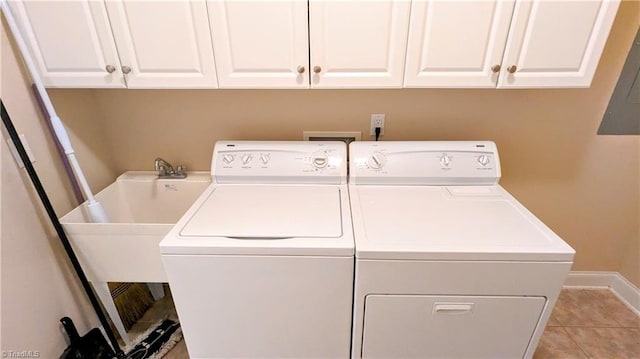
(103,292)
(157,290)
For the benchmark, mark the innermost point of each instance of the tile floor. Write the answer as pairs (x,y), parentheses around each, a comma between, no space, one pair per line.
(589,323)
(586,323)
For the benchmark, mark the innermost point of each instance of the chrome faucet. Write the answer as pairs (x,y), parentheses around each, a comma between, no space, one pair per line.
(165,169)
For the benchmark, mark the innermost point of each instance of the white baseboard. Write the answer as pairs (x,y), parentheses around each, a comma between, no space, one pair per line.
(628,293)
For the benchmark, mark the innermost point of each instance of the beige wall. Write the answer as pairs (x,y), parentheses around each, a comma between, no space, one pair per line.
(38,283)
(584,186)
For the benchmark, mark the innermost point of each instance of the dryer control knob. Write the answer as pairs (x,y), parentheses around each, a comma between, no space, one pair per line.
(246,159)
(445,160)
(227,159)
(320,160)
(377,160)
(264,158)
(483,160)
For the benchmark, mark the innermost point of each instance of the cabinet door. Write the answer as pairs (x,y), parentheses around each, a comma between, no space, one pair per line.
(358,44)
(556,43)
(70,42)
(456,43)
(260,44)
(426,326)
(165,44)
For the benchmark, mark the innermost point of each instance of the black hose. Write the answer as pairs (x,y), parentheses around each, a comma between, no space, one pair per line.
(35,180)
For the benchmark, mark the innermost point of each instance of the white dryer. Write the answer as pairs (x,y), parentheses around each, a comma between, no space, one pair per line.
(261,266)
(448,264)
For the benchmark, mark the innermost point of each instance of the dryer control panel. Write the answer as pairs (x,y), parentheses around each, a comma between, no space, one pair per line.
(279,162)
(424,163)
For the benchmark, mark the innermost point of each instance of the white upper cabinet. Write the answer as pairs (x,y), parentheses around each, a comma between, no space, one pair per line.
(556,43)
(358,44)
(70,42)
(163,44)
(507,43)
(267,44)
(119,43)
(260,44)
(456,43)
(316,43)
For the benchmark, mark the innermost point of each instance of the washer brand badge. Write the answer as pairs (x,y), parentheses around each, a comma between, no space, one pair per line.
(170,187)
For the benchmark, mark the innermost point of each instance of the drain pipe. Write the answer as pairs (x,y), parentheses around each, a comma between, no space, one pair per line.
(96,212)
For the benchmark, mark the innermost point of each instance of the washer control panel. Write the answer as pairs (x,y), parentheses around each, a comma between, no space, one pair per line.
(424,162)
(279,162)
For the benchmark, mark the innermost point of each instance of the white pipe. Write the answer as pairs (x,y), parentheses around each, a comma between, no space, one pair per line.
(96,211)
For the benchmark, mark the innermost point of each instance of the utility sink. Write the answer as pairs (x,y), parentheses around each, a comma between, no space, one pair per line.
(142,209)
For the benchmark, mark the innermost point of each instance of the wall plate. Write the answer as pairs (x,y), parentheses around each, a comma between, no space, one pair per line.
(345,136)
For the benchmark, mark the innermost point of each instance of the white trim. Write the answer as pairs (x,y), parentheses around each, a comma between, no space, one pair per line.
(589,279)
(626,291)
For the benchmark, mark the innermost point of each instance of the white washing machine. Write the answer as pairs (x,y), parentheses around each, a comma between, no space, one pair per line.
(448,264)
(261,266)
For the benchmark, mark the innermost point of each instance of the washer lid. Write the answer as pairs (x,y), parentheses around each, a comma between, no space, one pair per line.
(268,212)
(449,223)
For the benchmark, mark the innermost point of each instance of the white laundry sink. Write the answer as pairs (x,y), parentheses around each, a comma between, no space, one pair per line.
(142,209)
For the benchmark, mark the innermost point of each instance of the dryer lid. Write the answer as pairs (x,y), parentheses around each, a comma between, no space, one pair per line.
(268,212)
(450,223)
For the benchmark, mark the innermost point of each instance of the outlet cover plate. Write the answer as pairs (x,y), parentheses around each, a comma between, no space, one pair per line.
(377,120)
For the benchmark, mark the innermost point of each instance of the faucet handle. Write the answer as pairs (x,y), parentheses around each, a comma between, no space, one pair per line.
(180,169)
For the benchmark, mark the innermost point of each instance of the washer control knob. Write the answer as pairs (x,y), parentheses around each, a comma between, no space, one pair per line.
(319,160)
(445,160)
(377,160)
(264,158)
(483,160)
(246,159)
(227,159)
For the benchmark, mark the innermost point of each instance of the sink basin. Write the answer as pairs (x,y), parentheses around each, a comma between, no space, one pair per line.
(142,209)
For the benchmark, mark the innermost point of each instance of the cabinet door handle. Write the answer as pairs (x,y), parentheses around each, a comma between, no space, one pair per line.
(511,69)
(126,69)
(453,308)
(110,68)
(495,69)
(317,69)
(300,69)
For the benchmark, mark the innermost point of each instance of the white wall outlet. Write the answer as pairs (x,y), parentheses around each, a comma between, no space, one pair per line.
(377,120)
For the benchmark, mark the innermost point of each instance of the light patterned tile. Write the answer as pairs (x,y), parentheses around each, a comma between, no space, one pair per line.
(617,310)
(583,308)
(556,343)
(620,343)
(553,320)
